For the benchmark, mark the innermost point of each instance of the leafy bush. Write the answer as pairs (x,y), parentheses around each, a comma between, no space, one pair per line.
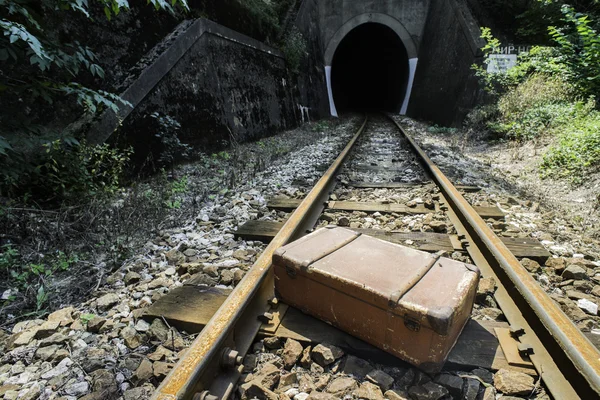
(25,280)
(294,49)
(42,71)
(577,150)
(535,106)
(442,129)
(65,171)
(579,44)
(172,148)
(551,91)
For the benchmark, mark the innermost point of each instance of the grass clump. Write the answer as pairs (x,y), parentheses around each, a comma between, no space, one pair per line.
(577,150)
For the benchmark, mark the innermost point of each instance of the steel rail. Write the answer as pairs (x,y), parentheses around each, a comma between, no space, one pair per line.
(187,377)
(577,357)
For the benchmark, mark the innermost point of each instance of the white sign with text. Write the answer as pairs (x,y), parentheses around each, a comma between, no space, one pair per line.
(500,63)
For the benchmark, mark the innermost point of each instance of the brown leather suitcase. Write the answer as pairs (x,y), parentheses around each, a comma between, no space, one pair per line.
(407,302)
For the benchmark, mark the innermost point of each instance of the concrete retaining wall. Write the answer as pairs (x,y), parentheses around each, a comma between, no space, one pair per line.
(445,87)
(216,83)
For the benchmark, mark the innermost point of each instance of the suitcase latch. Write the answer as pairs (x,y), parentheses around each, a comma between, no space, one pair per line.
(412,324)
(291,272)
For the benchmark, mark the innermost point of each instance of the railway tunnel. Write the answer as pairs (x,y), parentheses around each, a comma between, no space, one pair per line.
(370,70)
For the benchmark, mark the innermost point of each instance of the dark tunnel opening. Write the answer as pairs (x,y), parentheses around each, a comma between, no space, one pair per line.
(369,70)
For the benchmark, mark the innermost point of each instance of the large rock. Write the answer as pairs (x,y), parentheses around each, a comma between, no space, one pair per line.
(272,343)
(557,264)
(55,338)
(175,341)
(62,368)
(356,366)
(137,393)
(325,354)
(314,395)
(438,226)
(94,359)
(428,391)
(381,379)
(305,359)
(33,392)
(46,353)
(131,337)
(588,306)
(161,369)
(158,330)
(341,386)
(64,316)
(95,324)
(453,383)
(286,381)
(175,257)
(160,354)
(574,271)
(489,393)
(22,338)
(306,383)
(253,390)
(485,375)
(107,301)
(47,329)
(369,391)
(406,379)
(77,389)
(531,265)
(396,395)
(513,383)
(103,382)
(8,388)
(471,389)
(143,372)
(487,286)
(291,353)
(132,277)
(267,376)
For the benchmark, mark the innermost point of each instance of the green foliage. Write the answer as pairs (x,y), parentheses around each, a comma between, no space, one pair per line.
(171,147)
(551,91)
(176,188)
(222,155)
(28,277)
(531,108)
(574,58)
(64,171)
(42,73)
(85,318)
(320,126)
(577,151)
(579,44)
(442,129)
(294,49)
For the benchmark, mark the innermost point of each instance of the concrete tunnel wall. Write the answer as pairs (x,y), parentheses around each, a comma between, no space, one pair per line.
(373,29)
(441,39)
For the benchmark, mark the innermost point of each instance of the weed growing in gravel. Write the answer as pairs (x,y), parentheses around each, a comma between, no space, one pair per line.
(25,282)
(320,126)
(442,129)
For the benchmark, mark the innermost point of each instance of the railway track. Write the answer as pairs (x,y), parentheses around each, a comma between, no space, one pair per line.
(382,161)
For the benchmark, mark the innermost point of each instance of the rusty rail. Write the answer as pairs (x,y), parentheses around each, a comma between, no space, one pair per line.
(196,369)
(577,360)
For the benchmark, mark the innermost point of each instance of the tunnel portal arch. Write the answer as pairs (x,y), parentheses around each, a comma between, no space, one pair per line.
(373,19)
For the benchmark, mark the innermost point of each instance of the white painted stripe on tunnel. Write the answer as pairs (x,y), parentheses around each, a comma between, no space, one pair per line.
(412,65)
(332,109)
